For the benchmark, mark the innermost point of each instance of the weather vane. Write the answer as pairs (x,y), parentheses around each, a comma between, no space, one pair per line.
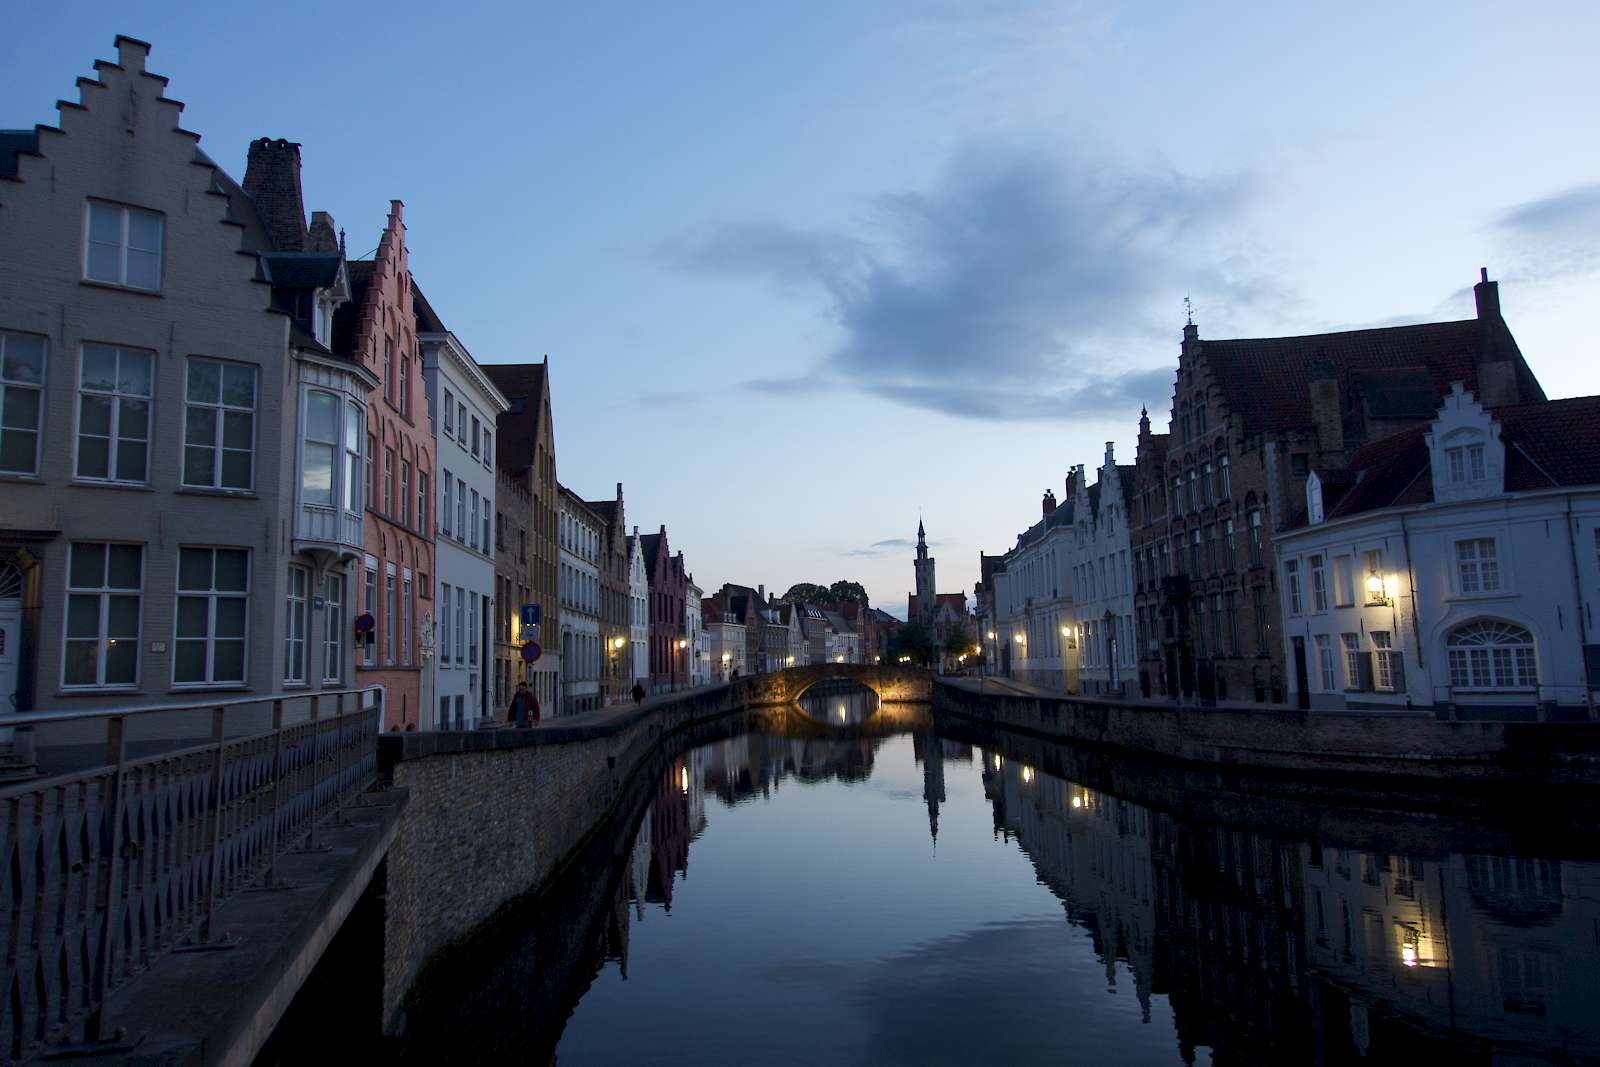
(1188,311)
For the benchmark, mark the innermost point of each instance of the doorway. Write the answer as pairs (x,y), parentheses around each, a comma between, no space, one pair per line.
(1302,684)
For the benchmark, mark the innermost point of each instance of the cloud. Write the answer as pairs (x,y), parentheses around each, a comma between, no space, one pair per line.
(1555,236)
(1021,286)
(893,546)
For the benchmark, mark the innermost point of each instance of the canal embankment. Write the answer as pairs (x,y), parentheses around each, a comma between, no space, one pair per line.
(1343,745)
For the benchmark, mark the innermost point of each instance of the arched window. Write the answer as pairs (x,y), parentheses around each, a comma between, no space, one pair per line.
(1491,655)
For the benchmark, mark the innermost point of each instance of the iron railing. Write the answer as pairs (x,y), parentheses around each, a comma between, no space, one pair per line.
(108,868)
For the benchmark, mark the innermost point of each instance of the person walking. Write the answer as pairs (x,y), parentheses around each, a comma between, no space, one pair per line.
(522,704)
(638,693)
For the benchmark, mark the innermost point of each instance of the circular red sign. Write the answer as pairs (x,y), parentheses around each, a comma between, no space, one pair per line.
(531,652)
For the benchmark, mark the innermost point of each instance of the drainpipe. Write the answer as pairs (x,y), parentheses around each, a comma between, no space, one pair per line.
(1577,599)
(1416,610)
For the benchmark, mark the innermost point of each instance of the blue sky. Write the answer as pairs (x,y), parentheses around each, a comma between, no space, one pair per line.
(805,270)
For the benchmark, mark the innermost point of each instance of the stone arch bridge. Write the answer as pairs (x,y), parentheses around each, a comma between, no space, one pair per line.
(893,684)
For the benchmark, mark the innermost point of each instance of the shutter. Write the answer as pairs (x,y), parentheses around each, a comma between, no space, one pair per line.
(1398,659)
(1364,670)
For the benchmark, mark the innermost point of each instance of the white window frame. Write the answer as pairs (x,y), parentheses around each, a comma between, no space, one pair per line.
(405,492)
(369,606)
(390,595)
(1324,662)
(1317,566)
(124,245)
(446,659)
(1383,653)
(1492,666)
(1350,643)
(388,481)
(117,398)
(333,629)
(406,631)
(11,386)
(331,445)
(213,597)
(474,624)
(103,594)
(297,616)
(1477,566)
(354,494)
(220,409)
(447,487)
(449,414)
(461,611)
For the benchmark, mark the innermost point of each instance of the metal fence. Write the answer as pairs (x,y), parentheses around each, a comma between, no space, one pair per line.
(108,868)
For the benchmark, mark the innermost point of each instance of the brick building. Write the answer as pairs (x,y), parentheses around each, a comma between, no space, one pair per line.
(513,583)
(1249,421)
(378,329)
(668,638)
(616,668)
(526,452)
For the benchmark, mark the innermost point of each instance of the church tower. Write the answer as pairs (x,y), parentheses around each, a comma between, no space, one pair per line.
(925,586)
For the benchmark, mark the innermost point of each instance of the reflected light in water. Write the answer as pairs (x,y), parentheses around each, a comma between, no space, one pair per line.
(1077,802)
(1027,775)
(683,779)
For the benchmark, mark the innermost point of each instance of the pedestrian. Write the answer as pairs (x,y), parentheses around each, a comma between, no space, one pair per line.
(638,693)
(518,713)
(533,704)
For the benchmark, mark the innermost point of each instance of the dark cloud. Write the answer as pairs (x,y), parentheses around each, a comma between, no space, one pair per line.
(1554,236)
(1021,286)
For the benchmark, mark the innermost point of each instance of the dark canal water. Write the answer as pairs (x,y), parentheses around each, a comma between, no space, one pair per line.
(803,896)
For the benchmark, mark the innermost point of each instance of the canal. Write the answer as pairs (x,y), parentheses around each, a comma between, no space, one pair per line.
(817,894)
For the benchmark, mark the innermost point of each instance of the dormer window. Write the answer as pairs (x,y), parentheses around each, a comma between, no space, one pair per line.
(1466,463)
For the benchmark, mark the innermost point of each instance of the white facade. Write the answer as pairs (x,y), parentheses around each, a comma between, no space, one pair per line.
(1477,603)
(695,633)
(463,405)
(726,643)
(580,605)
(1033,603)
(638,612)
(1102,586)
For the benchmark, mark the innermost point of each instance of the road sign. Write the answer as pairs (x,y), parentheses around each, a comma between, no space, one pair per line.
(531,652)
(531,614)
(365,623)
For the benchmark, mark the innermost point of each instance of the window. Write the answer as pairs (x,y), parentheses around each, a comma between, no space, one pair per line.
(1224,479)
(321,439)
(461,511)
(220,424)
(369,606)
(1232,606)
(1291,585)
(472,530)
(104,583)
(1194,553)
(1344,587)
(444,713)
(405,627)
(405,492)
(405,386)
(486,546)
(123,246)
(1227,544)
(1199,613)
(1466,463)
(1491,655)
(294,634)
(1211,548)
(1205,483)
(1300,466)
(1385,660)
(1177,492)
(1200,417)
(477,437)
(1259,605)
(1353,661)
(1319,584)
(422,501)
(333,628)
(388,615)
(472,632)
(388,368)
(1255,536)
(1478,565)
(449,406)
(371,479)
(461,422)
(388,481)
(114,414)
(213,609)
(1191,498)
(461,625)
(444,627)
(445,510)
(352,458)
(21,401)
(1325,662)
(488,448)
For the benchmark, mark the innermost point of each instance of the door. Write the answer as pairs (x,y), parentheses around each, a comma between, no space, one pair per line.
(1302,683)
(10,637)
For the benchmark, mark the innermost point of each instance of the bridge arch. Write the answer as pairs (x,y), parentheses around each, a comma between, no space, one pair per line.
(894,684)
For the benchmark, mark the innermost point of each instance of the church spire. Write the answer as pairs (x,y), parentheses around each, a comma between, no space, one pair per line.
(922,536)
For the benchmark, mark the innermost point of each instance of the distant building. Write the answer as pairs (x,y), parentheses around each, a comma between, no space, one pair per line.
(464,406)
(638,613)
(725,640)
(945,614)
(513,582)
(1102,583)
(616,632)
(581,534)
(699,648)
(1454,566)
(668,637)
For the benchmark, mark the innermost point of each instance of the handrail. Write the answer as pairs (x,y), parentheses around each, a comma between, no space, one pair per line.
(200,703)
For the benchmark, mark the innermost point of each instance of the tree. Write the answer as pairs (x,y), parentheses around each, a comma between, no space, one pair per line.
(808,591)
(960,641)
(845,590)
(914,640)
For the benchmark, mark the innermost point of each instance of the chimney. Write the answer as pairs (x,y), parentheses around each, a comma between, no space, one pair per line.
(1487,296)
(1049,501)
(761,593)
(272,181)
(324,237)
(1325,410)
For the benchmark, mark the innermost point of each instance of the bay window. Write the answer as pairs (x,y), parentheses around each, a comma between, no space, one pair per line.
(321,439)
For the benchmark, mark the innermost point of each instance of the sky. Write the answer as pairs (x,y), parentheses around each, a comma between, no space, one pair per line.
(808,272)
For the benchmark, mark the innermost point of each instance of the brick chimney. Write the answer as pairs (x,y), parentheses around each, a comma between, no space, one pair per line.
(1049,501)
(1497,364)
(272,181)
(1326,413)
(324,236)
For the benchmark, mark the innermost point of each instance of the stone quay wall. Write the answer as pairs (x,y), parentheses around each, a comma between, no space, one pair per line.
(495,814)
(1346,744)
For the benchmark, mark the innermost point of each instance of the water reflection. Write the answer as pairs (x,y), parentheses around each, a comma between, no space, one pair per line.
(823,926)
(839,703)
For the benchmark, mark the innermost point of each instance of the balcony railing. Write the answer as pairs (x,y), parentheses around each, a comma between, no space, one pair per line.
(111,866)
